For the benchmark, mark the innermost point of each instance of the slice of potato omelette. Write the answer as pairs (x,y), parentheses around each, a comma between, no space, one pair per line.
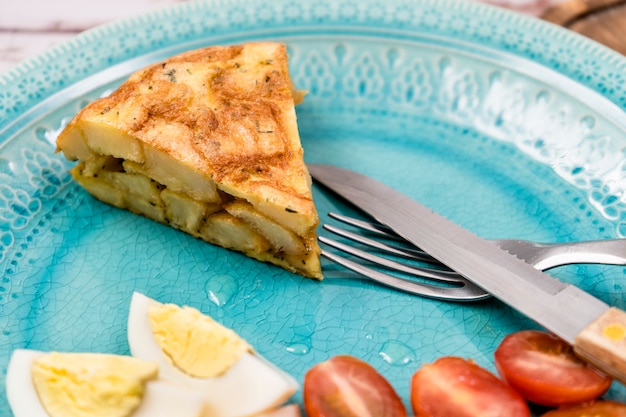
(206,142)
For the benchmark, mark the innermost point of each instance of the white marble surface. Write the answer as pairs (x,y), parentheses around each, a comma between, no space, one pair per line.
(29,27)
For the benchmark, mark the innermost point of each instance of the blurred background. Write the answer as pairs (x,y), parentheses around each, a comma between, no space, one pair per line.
(28,27)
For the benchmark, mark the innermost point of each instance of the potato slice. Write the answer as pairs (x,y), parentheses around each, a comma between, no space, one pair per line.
(137,185)
(179,177)
(227,231)
(281,239)
(99,187)
(185,213)
(104,139)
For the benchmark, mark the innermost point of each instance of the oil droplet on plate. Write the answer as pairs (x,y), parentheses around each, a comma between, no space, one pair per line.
(221,288)
(298,349)
(397,353)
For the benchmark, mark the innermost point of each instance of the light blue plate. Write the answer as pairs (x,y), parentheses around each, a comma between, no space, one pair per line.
(506,124)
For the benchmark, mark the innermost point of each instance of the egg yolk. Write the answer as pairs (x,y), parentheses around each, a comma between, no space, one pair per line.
(90,384)
(195,343)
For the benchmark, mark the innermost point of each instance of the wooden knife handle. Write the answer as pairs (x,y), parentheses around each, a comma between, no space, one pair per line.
(603,343)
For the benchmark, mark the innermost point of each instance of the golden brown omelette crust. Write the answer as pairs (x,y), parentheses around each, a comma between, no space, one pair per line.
(227,123)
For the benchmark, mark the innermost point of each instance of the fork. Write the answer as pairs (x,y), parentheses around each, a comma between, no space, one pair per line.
(449,285)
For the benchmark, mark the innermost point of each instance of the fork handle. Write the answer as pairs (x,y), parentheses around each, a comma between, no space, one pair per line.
(603,343)
(609,251)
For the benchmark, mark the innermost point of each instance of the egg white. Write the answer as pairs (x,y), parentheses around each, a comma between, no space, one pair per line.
(251,386)
(290,410)
(160,399)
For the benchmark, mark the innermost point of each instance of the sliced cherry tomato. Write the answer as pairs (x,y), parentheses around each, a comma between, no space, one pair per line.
(457,387)
(545,370)
(345,386)
(594,409)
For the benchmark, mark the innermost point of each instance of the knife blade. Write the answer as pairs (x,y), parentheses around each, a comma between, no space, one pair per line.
(596,330)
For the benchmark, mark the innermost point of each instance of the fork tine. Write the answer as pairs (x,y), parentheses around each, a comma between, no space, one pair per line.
(377,228)
(434,274)
(411,253)
(460,290)
(468,292)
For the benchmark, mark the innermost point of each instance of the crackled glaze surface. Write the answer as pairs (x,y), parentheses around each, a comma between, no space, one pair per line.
(509,126)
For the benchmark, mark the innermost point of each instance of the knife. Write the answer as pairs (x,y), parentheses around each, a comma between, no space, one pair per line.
(596,330)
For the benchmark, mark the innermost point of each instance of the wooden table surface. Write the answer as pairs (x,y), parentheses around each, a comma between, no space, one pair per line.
(28,27)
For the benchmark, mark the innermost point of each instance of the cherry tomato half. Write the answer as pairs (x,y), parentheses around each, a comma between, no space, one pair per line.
(453,386)
(594,408)
(345,386)
(545,370)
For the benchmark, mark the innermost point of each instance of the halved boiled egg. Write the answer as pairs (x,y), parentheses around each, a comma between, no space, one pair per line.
(195,352)
(54,384)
